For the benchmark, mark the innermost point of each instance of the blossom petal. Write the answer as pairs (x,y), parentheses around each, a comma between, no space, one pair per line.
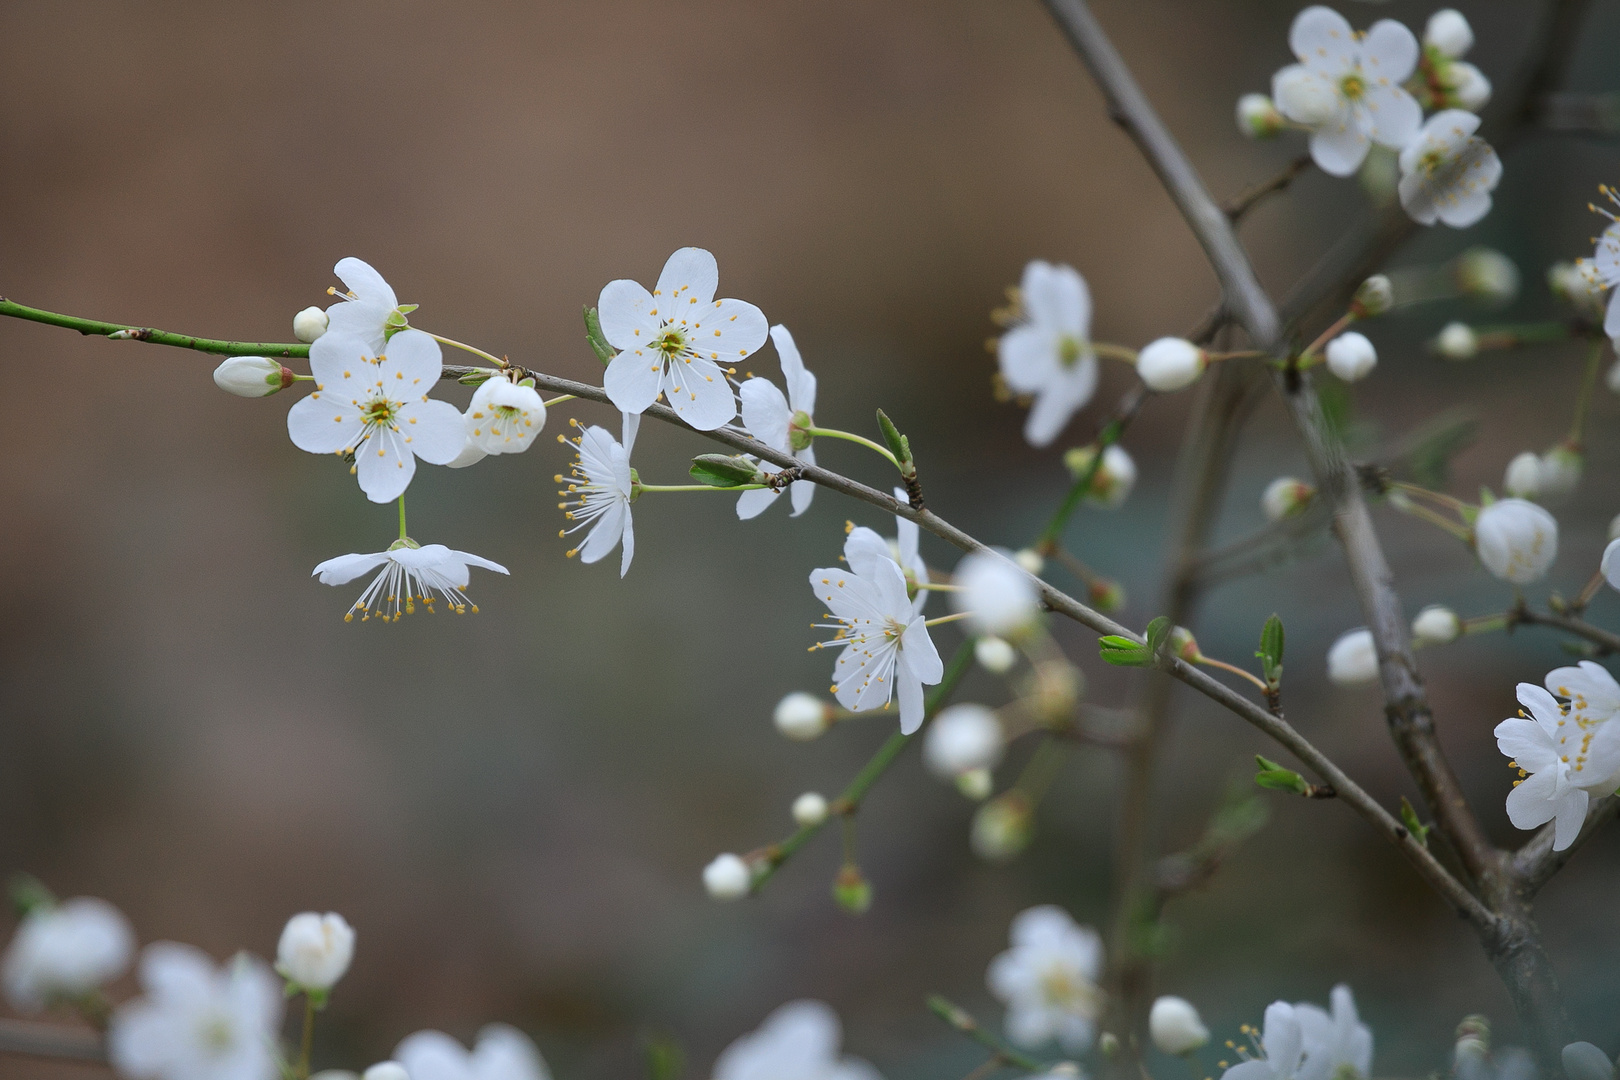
(1323,41)
(918,649)
(341,363)
(1028,357)
(1527,743)
(864,675)
(803,491)
(633,379)
(801,384)
(1057,299)
(1061,398)
(1571,816)
(1283,1039)
(480,562)
(433,1055)
(605,533)
(385,464)
(627,542)
(411,363)
(866,552)
(698,392)
(1542,706)
(360,278)
(1396,115)
(1464,209)
(1589,686)
(505,1053)
(345,568)
(727,331)
(324,423)
(1530,804)
(1258,1069)
(765,413)
(751,504)
(433,430)
(1389,53)
(690,276)
(845,593)
(625,311)
(1339,149)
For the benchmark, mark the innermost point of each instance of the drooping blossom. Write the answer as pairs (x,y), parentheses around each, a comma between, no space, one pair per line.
(196,1021)
(64,951)
(1048,980)
(504,417)
(1049,354)
(1282,1043)
(369,310)
(410,575)
(501,1053)
(799,1041)
(1516,540)
(315,950)
(603,486)
(1347,87)
(782,423)
(1338,1046)
(1448,172)
(376,406)
(1563,758)
(886,651)
(677,340)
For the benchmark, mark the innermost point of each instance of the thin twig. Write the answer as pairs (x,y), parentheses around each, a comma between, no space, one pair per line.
(1237,209)
(1605,640)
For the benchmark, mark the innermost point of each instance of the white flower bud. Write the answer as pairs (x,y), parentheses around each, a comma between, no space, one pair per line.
(976,784)
(1169,364)
(1560,471)
(309,324)
(1614,527)
(65,951)
(1285,496)
(1353,659)
(810,809)
(1303,96)
(1176,1027)
(1449,34)
(1469,88)
(1516,540)
(251,376)
(1457,341)
(1487,274)
(386,1070)
(1436,625)
(802,717)
(1583,1061)
(1258,118)
(962,738)
(997,598)
(1351,356)
(994,655)
(727,877)
(1029,560)
(1375,296)
(315,950)
(1522,479)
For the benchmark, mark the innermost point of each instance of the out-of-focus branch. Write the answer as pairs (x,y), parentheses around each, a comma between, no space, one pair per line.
(49,1041)
(1580,114)
(1606,640)
(1238,208)
(1536,862)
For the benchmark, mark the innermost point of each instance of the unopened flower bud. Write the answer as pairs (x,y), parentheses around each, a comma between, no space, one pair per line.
(727,877)
(996,597)
(1056,691)
(1183,645)
(1169,364)
(1351,356)
(1114,478)
(1487,274)
(1108,1044)
(810,809)
(1106,595)
(994,654)
(1176,1027)
(315,950)
(1353,659)
(1473,1043)
(1561,470)
(1029,560)
(851,890)
(1448,33)
(386,1070)
(1258,118)
(1583,1061)
(1467,87)
(1436,625)
(1284,497)
(1375,296)
(1003,827)
(1522,479)
(252,376)
(1516,540)
(975,784)
(802,717)
(963,737)
(1457,341)
(309,324)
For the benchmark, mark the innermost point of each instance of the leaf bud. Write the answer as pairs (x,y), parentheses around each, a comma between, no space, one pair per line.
(851,890)
(1106,595)
(723,470)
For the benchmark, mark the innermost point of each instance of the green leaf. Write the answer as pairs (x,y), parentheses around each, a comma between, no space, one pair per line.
(899,445)
(1277,778)
(1271,651)
(665,1059)
(723,471)
(1409,818)
(593,334)
(1123,652)
(1157,631)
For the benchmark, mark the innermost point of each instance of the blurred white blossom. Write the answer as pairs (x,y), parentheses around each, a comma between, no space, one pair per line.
(801,716)
(1447,172)
(315,950)
(1436,625)
(997,597)
(1049,354)
(501,1053)
(196,1021)
(1283,1042)
(1353,659)
(64,951)
(1522,479)
(1048,980)
(1351,356)
(1338,1046)
(1516,540)
(727,877)
(799,1041)
(1175,1026)
(1170,364)
(963,738)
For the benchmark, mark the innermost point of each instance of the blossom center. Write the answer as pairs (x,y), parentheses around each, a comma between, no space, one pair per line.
(671,343)
(1353,87)
(1070,349)
(380,412)
(216,1035)
(1067,992)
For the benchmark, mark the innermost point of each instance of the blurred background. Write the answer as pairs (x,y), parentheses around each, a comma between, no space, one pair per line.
(513,808)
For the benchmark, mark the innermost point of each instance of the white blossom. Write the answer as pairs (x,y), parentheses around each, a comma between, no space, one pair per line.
(1028,559)
(799,1041)
(1353,659)
(65,951)
(1466,87)
(410,575)
(810,809)
(886,650)
(385,1070)
(994,654)
(1584,1061)
(376,406)
(1566,756)
(1284,497)
(727,877)
(1457,341)
(1579,286)
(1175,1026)
(1610,563)
(1604,266)
(603,486)
(782,423)
(1487,274)
(1351,356)
(1283,1043)
(1436,625)
(1049,353)
(802,717)
(1592,693)
(503,417)
(501,1053)
(1449,34)
(1522,479)
(997,597)
(1048,979)
(1347,87)
(677,340)
(1447,172)
(315,950)
(252,376)
(1170,364)
(1338,1046)
(309,324)
(196,1021)
(1516,540)
(963,738)
(369,310)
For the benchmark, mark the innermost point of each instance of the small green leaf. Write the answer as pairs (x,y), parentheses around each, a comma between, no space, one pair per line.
(899,445)
(28,893)
(477,376)
(1276,778)
(593,334)
(723,471)
(1409,818)
(1271,651)
(1157,631)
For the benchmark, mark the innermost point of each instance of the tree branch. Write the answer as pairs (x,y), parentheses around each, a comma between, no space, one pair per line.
(1536,862)
(1603,639)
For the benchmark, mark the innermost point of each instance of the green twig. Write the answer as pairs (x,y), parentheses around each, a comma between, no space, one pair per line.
(124,332)
(960,1019)
(1047,543)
